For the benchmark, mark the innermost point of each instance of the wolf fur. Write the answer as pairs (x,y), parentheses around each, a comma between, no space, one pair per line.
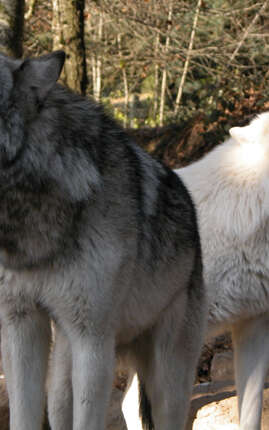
(230,187)
(103,240)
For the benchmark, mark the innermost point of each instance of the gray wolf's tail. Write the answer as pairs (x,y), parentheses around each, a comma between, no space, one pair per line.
(145,408)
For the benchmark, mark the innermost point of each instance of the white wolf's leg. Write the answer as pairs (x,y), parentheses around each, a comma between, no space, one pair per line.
(93,362)
(25,348)
(251,345)
(60,396)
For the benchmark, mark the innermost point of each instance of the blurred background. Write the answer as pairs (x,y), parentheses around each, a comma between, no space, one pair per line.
(185,70)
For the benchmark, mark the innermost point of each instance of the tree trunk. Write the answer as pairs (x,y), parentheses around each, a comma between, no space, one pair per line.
(156,78)
(96,34)
(162,98)
(98,62)
(164,78)
(125,83)
(94,84)
(11,27)
(126,97)
(187,61)
(68,34)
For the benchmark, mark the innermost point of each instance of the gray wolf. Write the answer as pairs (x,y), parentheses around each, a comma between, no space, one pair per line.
(101,239)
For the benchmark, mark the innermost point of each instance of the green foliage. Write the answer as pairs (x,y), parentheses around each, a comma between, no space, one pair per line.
(148,84)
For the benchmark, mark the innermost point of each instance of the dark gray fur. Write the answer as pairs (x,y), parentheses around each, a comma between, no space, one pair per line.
(145,409)
(103,240)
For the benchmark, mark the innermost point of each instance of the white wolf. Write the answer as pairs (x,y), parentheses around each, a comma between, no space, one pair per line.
(230,187)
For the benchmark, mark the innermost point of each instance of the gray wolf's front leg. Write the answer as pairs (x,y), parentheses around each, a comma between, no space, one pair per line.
(60,396)
(25,347)
(92,378)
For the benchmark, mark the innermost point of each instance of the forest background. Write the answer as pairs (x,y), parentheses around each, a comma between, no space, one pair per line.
(177,74)
(185,70)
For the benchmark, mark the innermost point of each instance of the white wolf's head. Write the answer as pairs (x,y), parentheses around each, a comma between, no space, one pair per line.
(253,140)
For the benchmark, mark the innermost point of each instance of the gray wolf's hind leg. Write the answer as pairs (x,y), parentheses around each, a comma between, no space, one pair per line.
(251,345)
(60,395)
(25,348)
(168,374)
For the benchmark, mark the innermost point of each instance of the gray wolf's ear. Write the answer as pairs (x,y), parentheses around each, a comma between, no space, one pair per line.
(41,73)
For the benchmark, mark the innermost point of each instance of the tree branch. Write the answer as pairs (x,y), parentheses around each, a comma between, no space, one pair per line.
(186,65)
(247,31)
(30,10)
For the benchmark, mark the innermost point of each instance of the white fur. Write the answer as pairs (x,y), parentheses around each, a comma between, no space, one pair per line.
(230,187)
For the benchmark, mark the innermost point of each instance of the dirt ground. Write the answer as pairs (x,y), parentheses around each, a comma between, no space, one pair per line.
(223,415)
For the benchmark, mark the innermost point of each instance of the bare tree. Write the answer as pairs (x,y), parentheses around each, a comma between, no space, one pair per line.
(97,58)
(156,76)
(30,10)
(247,30)
(125,82)
(211,52)
(187,61)
(11,26)
(164,77)
(68,34)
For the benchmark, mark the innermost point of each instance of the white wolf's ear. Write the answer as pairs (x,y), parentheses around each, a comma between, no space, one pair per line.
(240,134)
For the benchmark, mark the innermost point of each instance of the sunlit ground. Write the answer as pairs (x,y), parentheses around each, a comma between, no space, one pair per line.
(218,416)
(223,415)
